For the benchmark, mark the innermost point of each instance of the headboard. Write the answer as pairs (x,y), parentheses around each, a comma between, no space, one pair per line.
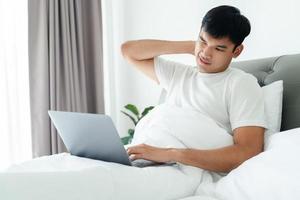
(268,70)
(286,68)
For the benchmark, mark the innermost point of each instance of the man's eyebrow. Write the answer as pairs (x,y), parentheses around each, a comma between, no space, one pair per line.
(219,46)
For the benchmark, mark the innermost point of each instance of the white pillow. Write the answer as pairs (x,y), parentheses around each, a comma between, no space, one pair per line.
(273,106)
(273,174)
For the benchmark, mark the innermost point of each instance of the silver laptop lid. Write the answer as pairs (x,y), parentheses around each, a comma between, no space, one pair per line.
(90,135)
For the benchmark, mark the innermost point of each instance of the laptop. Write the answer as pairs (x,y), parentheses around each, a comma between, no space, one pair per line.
(93,136)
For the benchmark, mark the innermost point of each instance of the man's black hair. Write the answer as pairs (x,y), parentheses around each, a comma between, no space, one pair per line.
(226,21)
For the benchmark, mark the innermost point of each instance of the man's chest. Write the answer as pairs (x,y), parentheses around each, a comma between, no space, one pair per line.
(208,98)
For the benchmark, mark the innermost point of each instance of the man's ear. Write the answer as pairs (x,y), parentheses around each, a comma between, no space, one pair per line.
(238,50)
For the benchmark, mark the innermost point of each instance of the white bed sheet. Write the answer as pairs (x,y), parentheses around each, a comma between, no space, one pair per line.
(64,176)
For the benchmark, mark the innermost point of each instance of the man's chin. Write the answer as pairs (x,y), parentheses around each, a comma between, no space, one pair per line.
(202,69)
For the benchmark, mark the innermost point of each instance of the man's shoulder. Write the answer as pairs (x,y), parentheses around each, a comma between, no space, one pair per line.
(238,75)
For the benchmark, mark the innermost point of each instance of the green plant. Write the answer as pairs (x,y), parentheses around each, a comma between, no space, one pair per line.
(135,117)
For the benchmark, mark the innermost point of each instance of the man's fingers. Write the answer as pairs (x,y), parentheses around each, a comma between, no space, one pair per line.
(136,149)
(135,156)
(133,150)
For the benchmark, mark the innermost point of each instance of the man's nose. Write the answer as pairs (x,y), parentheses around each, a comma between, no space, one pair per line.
(207,52)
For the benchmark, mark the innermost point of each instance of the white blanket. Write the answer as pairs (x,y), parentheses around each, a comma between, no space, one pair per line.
(69,177)
(180,127)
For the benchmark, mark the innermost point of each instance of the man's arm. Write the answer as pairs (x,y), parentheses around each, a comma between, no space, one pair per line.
(248,142)
(141,53)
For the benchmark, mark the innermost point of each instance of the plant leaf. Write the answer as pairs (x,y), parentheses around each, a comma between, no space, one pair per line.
(131,132)
(145,112)
(126,140)
(132,118)
(133,109)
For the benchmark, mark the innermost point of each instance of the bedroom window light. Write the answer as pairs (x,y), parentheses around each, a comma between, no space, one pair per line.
(15,130)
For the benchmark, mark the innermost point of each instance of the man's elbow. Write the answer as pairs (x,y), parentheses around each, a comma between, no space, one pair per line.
(254,150)
(246,153)
(126,49)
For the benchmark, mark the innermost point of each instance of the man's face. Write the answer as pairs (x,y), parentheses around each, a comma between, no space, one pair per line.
(214,55)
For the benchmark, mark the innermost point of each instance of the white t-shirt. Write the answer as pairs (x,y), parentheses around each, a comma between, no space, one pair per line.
(232,98)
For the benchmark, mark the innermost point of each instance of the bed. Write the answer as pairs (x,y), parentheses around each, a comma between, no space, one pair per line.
(273,174)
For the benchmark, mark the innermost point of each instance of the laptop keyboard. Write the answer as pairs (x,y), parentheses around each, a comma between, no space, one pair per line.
(146,163)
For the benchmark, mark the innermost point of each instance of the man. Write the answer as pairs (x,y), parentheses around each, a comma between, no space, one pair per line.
(229,96)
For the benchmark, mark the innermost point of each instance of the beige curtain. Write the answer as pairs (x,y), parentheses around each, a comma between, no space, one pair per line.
(65,65)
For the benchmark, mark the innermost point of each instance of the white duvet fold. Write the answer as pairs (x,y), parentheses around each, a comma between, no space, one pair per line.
(180,127)
(67,177)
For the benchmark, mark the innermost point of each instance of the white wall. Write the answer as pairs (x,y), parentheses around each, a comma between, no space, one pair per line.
(274,32)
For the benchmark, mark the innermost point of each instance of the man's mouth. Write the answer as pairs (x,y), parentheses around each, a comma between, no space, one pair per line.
(203,61)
